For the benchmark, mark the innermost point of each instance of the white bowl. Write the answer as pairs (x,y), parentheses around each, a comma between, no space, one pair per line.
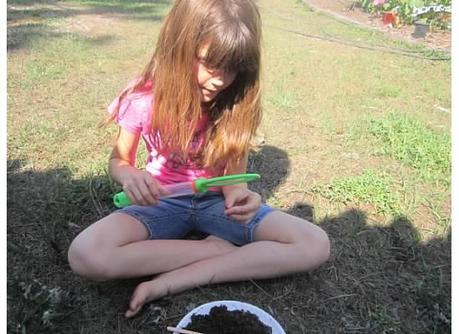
(232,305)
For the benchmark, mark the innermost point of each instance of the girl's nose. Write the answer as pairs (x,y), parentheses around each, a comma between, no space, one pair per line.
(218,79)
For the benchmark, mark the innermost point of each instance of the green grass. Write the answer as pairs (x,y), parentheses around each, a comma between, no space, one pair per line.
(369,188)
(413,144)
(413,153)
(67,57)
(283,99)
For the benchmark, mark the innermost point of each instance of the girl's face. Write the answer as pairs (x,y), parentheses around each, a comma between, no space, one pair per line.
(211,81)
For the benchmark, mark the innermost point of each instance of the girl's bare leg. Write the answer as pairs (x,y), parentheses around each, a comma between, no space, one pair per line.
(116,247)
(284,244)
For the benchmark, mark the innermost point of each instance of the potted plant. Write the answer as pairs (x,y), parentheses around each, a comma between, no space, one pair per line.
(389,17)
(421,28)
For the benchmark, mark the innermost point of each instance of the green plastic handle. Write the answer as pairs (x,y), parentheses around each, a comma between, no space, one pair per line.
(202,185)
(121,200)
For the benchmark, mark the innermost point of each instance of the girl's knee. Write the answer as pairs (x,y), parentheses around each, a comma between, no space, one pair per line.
(322,242)
(315,247)
(87,261)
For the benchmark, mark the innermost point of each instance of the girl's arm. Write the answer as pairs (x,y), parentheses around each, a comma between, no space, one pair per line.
(123,156)
(140,186)
(240,203)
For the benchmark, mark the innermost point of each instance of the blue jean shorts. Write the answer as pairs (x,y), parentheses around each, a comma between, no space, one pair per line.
(174,218)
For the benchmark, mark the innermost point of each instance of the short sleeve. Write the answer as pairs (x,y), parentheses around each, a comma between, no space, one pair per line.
(134,109)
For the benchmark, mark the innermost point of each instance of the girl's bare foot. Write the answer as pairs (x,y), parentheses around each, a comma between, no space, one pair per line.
(144,293)
(148,291)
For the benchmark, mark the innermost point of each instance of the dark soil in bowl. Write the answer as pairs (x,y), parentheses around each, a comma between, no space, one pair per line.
(221,321)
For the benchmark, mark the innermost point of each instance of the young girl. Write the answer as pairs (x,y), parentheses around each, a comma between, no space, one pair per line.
(197,107)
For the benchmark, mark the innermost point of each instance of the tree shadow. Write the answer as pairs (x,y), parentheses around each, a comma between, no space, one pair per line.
(45,204)
(23,36)
(28,22)
(46,210)
(379,279)
(273,165)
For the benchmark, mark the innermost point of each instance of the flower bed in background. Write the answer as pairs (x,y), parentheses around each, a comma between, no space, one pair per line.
(401,12)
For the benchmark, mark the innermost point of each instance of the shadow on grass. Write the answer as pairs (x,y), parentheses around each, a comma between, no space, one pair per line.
(46,210)
(273,165)
(29,21)
(24,35)
(379,279)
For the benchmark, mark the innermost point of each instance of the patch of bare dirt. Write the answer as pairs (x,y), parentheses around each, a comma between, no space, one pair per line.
(350,11)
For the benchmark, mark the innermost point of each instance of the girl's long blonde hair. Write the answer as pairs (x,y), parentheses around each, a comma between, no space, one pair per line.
(232,31)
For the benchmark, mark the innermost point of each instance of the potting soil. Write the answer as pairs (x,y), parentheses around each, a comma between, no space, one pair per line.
(221,321)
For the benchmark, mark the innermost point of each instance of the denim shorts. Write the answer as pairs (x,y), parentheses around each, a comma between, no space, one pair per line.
(174,218)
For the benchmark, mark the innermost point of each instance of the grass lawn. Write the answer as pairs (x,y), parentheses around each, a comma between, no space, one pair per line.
(356,136)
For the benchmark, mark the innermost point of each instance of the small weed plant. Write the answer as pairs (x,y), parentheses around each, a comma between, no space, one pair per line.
(43,306)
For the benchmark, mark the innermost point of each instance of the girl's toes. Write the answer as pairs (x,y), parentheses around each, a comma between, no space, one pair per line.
(138,299)
(144,293)
(134,308)
(132,312)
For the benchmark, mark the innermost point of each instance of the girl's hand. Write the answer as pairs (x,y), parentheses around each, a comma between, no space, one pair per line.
(241,203)
(142,188)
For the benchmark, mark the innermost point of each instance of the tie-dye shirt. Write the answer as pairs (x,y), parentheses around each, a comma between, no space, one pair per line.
(135,116)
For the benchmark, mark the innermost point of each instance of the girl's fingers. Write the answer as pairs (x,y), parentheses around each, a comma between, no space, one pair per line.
(243,215)
(149,197)
(152,189)
(244,212)
(242,218)
(243,209)
(157,190)
(163,191)
(135,196)
(140,196)
(234,210)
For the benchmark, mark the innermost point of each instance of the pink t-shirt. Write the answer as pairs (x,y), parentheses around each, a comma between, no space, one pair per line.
(135,116)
